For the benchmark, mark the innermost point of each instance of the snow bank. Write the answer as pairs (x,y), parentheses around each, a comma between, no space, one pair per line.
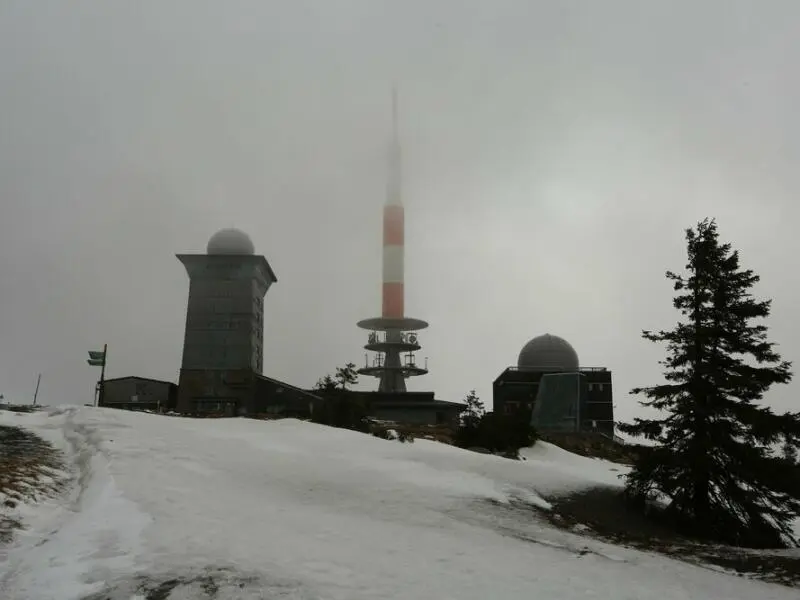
(91,525)
(291,509)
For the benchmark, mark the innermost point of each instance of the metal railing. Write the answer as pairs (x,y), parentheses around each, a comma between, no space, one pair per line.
(383,338)
(378,361)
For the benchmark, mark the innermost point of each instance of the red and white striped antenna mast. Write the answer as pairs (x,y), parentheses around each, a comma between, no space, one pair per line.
(387,365)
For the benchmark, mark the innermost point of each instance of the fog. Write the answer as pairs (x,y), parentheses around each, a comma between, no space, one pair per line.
(554,152)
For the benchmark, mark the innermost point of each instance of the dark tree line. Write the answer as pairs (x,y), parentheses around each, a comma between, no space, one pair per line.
(342,378)
(339,408)
(493,431)
(717,460)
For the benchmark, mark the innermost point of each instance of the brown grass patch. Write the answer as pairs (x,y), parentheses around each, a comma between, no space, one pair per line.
(609,518)
(30,470)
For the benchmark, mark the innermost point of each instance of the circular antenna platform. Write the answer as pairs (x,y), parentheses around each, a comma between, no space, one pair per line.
(393,324)
(406,370)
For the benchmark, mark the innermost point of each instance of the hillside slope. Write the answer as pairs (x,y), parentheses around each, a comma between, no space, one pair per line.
(164,507)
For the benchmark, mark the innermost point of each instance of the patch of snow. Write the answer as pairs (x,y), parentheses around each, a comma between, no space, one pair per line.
(95,526)
(291,509)
(563,471)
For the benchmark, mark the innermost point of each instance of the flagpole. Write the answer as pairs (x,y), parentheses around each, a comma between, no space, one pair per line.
(101,395)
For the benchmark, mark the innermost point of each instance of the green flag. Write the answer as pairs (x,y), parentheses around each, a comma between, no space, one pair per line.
(97,358)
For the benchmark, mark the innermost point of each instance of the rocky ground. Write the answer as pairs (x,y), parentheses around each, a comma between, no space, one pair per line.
(603,514)
(30,469)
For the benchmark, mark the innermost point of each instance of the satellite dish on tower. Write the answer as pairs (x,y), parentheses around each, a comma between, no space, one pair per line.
(412,338)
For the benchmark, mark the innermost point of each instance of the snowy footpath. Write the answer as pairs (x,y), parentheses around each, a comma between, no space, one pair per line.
(166,508)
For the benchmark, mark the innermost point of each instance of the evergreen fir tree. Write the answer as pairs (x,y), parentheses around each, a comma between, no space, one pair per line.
(341,408)
(326,383)
(346,375)
(468,433)
(716,460)
(473,412)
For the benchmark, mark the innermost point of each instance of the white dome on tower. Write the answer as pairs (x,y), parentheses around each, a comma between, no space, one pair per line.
(548,352)
(230,241)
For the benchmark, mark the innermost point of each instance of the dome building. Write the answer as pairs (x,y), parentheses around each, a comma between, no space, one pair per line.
(551,389)
(548,352)
(230,242)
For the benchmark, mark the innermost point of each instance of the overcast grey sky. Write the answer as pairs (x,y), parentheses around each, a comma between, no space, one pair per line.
(554,151)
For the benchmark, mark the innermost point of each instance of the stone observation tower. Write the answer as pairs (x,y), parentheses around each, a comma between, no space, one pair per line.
(392,336)
(223,342)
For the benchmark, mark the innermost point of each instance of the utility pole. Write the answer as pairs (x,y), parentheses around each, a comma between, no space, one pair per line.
(36,393)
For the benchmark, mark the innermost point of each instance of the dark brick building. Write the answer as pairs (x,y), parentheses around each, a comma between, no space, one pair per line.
(516,388)
(242,393)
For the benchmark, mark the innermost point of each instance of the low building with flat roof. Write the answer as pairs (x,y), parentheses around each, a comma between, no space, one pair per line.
(138,393)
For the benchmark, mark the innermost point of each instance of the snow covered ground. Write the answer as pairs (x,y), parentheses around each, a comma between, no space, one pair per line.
(237,508)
